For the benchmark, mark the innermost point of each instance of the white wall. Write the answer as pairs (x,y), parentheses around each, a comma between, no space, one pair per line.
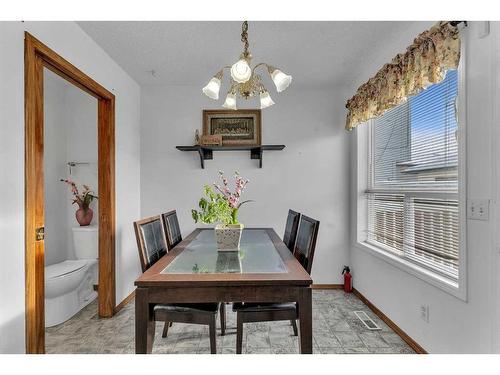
(72,43)
(55,138)
(310,175)
(455,326)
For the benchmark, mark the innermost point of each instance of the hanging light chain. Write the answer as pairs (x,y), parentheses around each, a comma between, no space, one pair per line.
(244,37)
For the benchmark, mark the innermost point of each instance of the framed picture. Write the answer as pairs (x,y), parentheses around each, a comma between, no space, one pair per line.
(237,128)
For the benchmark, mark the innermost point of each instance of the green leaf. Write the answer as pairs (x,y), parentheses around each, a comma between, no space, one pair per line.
(194,214)
(203,203)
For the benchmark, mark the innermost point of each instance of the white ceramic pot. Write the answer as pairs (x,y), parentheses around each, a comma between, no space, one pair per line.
(228,236)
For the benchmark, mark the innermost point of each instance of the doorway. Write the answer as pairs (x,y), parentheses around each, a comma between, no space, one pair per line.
(37,58)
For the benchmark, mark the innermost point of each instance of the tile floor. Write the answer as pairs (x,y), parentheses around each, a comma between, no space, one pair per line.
(335,330)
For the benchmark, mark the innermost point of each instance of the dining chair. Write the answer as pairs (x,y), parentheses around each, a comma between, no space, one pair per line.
(291,227)
(265,312)
(152,245)
(306,242)
(172,229)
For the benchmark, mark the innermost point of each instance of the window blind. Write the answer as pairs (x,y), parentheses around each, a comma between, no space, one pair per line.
(412,197)
(415,143)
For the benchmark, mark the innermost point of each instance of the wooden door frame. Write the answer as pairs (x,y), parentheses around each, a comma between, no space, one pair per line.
(38,56)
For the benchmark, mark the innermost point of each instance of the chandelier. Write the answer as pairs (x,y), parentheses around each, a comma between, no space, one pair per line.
(244,81)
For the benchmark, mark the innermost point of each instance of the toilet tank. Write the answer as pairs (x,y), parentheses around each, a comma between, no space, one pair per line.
(86,242)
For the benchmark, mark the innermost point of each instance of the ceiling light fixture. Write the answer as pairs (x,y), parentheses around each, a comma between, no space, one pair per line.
(244,81)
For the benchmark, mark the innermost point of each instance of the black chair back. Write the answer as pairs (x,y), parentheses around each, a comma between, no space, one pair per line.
(291,227)
(172,229)
(306,242)
(151,241)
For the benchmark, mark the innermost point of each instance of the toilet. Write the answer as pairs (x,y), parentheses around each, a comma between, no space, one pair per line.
(69,285)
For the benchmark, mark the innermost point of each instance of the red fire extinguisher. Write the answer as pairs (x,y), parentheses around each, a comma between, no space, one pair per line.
(347,279)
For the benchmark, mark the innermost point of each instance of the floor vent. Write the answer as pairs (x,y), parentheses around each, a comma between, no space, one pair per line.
(367,321)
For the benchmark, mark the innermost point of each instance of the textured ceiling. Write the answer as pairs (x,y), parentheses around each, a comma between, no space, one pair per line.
(316,54)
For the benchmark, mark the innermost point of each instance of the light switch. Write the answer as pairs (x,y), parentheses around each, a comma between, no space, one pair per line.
(478,209)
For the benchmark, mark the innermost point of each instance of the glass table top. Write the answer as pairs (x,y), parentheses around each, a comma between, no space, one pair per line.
(257,254)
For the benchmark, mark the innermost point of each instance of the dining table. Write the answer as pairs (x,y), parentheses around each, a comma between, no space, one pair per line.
(262,270)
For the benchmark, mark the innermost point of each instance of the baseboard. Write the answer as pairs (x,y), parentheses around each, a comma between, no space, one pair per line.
(327,286)
(412,343)
(123,303)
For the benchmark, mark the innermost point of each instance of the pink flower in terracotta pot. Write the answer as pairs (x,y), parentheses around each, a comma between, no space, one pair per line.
(84,214)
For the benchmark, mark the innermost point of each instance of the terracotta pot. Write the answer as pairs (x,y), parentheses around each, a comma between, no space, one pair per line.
(84,216)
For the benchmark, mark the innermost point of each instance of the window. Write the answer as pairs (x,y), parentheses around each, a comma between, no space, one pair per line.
(412,195)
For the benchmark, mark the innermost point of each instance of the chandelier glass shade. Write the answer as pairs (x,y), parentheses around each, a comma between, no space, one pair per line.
(265,100)
(281,80)
(240,71)
(230,102)
(244,81)
(212,88)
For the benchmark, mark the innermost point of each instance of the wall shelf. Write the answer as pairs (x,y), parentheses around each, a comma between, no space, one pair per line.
(206,152)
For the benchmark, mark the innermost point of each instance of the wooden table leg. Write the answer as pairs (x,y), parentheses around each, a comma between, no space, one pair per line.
(305,320)
(144,322)
(222,318)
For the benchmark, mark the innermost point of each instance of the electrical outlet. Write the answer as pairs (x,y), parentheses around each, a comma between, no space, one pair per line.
(478,209)
(424,313)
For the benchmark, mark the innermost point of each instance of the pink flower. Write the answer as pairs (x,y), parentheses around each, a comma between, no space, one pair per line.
(233,201)
(233,198)
(79,198)
(74,189)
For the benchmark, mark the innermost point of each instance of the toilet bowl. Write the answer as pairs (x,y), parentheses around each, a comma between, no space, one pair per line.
(69,285)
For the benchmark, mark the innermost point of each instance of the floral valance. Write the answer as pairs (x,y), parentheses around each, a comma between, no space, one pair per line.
(425,62)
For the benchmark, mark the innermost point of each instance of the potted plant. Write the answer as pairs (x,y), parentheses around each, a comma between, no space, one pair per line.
(221,207)
(84,214)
